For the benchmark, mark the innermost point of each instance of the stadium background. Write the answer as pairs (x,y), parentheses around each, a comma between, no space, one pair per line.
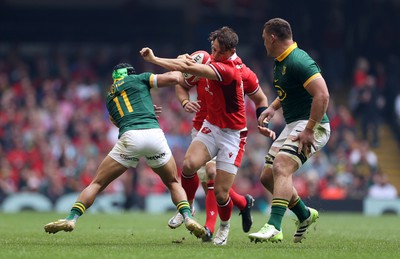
(55,64)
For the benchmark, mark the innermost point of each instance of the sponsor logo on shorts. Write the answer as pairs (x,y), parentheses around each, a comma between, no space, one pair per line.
(126,157)
(230,154)
(156,157)
(205,130)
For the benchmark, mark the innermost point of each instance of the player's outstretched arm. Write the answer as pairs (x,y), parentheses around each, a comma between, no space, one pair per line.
(183,64)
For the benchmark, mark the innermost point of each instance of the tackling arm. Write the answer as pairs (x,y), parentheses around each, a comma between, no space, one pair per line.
(182,64)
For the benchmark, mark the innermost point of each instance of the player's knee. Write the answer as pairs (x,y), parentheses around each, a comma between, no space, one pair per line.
(282,168)
(188,166)
(221,196)
(211,171)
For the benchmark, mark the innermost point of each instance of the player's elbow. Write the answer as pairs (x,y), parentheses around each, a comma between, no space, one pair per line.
(324,98)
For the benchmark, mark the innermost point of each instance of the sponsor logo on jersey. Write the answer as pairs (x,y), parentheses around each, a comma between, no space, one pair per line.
(281,93)
(230,154)
(283,70)
(156,157)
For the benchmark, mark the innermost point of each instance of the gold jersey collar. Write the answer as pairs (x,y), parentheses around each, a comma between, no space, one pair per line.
(286,52)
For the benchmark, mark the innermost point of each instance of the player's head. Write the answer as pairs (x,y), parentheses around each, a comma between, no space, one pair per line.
(276,31)
(279,27)
(122,70)
(223,43)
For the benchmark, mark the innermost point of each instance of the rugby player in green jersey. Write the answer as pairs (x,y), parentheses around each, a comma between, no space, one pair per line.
(130,108)
(303,97)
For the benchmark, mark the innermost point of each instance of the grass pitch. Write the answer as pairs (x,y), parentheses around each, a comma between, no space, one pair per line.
(140,235)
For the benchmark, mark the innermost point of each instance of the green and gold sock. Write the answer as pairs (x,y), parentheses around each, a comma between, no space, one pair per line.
(278,209)
(77,210)
(300,209)
(184,208)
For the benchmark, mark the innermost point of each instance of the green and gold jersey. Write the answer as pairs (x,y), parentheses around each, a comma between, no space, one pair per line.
(294,69)
(130,105)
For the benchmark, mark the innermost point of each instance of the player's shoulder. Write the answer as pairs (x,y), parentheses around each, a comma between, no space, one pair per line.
(299,55)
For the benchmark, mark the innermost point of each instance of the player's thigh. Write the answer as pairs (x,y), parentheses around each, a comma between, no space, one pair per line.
(197,154)
(167,172)
(108,171)
(155,149)
(284,165)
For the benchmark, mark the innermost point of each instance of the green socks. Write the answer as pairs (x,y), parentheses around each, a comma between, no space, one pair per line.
(300,209)
(278,209)
(184,208)
(77,210)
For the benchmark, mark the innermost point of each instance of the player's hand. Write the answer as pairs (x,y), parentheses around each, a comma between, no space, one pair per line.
(157,110)
(266,116)
(266,131)
(184,56)
(306,141)
(147,54)
(192,106)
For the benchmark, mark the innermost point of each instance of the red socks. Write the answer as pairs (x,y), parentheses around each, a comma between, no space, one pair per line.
(211,207)
(190,185)
(238,200)
(225,210)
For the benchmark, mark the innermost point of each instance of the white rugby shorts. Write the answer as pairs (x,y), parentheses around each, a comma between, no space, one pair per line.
(226,144)
(148,143)
(288,147)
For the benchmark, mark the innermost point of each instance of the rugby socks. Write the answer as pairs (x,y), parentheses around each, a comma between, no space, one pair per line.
(225,211)
(190,184)
(300,209)
(77,210)
(184,208)
(238,200)
(211,207)
(278,209)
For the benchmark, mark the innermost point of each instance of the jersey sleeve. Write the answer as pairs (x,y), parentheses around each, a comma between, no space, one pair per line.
(224,71)
(250,81)
(306,70)
(148,79)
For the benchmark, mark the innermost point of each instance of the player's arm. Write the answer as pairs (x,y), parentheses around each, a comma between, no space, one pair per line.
(166,79)
(183,64)
(260,100)
(182,94)
(318,89)
(268,113)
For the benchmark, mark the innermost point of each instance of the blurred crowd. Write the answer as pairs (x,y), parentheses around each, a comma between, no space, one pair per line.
(54,128)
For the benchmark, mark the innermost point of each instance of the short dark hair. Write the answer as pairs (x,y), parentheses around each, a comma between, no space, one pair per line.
(227,38)
(131,70)
(279,27)
(122,70)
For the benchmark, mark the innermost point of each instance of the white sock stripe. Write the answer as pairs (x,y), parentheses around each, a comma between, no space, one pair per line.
(187,176)
(225,204)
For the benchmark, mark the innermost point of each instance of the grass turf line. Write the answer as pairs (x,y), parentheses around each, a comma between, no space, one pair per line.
(141,235)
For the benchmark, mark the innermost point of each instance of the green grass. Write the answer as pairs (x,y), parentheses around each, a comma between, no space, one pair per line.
(140,235)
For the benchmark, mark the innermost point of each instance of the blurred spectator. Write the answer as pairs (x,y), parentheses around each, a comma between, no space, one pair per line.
(368,111)
(382,189)
(331,190)
(359,188)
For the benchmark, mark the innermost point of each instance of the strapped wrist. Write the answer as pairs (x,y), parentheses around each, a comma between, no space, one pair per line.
(184,102)
(259,110)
